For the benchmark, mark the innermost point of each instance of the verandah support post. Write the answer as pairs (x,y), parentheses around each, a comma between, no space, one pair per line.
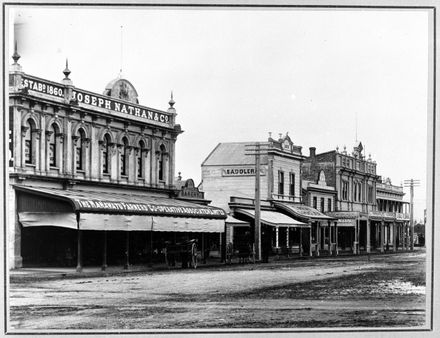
(368,245)
(336,239)
(329,247)
(310,240)
(382,230)
(203,249)
(394,236)
(318,237)
(127,244)
(79,253)
(104,251)
(300,241)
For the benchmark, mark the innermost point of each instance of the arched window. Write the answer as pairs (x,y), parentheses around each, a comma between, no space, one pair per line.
(161,163)
(28,143)
(80,151)
(52,151)
(106,154)
(140,162)
(124,156)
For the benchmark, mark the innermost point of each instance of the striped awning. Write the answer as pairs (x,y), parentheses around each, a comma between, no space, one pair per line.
(273,218)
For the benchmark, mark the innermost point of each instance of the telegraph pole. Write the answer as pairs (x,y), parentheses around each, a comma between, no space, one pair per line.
(257,203)
(411,184)
(256,149)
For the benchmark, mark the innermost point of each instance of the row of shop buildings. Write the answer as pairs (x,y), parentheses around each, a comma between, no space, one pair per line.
(92,182)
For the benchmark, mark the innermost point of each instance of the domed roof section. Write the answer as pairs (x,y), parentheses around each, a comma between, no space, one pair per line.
(121,89)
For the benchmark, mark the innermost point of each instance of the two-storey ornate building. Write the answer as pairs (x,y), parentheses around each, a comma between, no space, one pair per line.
(91,176)
(229,180)
(354,178)
(393,215)
(359,199)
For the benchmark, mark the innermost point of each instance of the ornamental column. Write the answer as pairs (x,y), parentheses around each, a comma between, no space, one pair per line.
(43,142)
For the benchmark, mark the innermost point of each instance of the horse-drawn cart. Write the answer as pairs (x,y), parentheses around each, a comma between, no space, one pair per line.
(185,251)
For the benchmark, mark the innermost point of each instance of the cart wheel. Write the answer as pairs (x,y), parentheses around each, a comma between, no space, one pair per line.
(194,255)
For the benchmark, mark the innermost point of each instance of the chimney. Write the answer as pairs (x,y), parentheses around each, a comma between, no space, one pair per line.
(312,152)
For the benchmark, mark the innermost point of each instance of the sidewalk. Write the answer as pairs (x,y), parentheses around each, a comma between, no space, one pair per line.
(49,273)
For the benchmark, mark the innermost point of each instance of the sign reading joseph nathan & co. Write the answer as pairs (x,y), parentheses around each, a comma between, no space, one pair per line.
(100,101)
(240,171)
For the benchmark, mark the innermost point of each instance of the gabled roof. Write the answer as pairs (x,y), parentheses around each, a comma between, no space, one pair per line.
(232,153)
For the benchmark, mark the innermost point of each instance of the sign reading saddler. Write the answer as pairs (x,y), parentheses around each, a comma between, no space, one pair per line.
(240,171)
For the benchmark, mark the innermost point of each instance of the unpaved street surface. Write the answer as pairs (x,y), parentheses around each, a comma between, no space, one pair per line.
(383,291)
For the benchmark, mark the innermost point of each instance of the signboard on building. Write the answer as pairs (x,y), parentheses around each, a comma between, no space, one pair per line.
(96,100)
(94,205)
(42,86)
(240,171)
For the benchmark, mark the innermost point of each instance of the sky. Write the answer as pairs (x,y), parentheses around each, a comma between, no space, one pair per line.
(327,77)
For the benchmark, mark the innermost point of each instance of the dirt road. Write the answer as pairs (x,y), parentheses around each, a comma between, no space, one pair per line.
(383,291)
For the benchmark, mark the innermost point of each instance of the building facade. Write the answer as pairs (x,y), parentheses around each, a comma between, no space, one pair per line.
(393,215)
(92,168)
(229,179)
(359,200)
(321,196)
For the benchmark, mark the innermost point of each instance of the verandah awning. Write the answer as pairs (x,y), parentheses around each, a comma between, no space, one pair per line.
(302,211)
(114,211)
(273,218)
(232,221)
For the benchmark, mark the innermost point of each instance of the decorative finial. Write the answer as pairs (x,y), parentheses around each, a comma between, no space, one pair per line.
(171,102)
(180,176)
(15,56)
(270,134)
(280,135)
(337,149)
(287,133)
(67,71)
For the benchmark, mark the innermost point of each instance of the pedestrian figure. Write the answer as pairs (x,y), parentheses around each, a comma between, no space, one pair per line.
(69,257)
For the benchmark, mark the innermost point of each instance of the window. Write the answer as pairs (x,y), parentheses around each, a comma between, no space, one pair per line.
(140,158)
(357,192)
(370,194)
(124,156)
(329,204)
(28,143)
(80,150)
(52,146)
(162,163)
(280,183)
(106,154)
(315,202)
(322,204)
(292,185)
(345,190)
